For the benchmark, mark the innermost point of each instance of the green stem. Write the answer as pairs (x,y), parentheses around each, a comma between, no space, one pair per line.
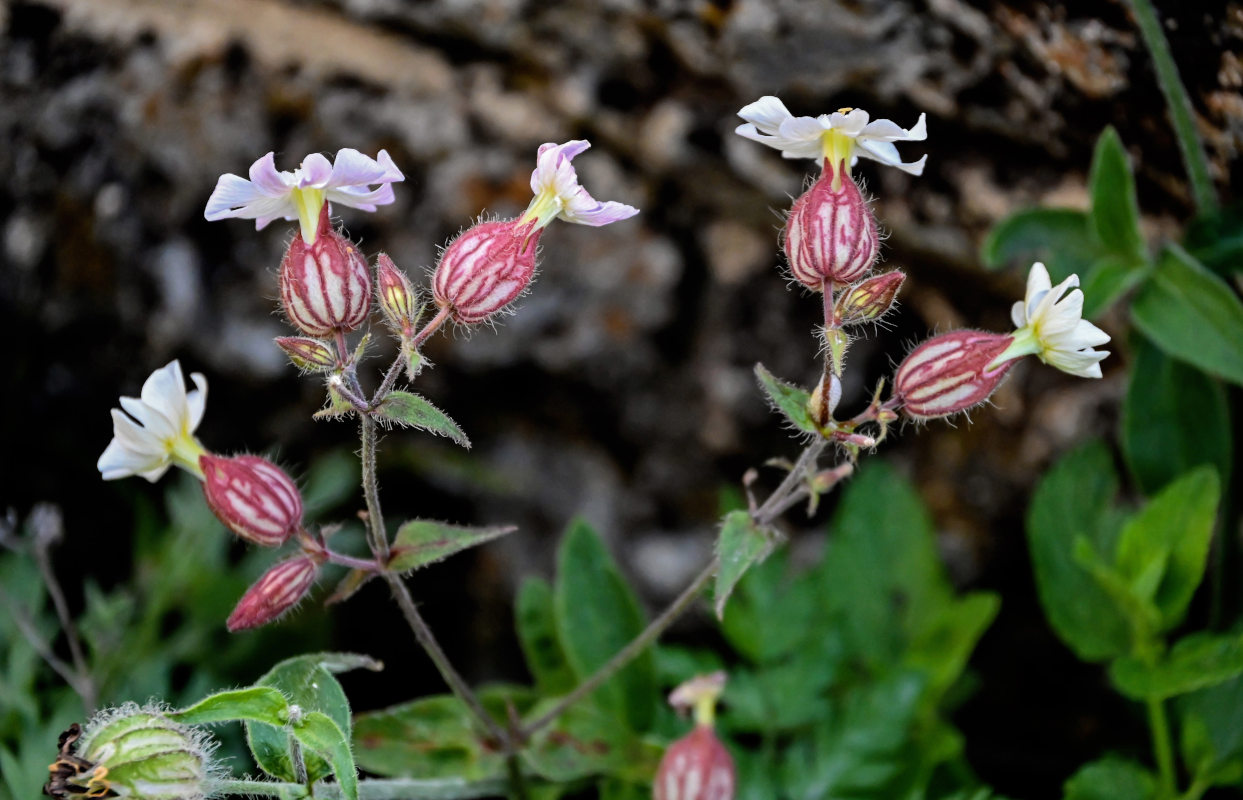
(628,653)
(1194,158)
(379,789)
(1160,726)
(376,534)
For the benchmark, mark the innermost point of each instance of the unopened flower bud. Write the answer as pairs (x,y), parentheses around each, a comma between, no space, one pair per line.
(308,355)
(822,403)
(253,497)
(870,300)
(697,766)
(325,286)
(951,373)
(397,298)
(135,753)
(831,233)
(485,268)
(277,591)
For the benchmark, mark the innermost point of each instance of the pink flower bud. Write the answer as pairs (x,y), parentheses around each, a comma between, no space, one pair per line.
(253,497)
(951,373)
(277,591)
(396,295)
(870,300)
(325,286)
(485,268)
(309,355)
(831,233)
(696,767)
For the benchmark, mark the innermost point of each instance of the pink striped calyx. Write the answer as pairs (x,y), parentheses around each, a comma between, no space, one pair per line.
(253,497)
(276,592)
(485,268)
(831,233)
(951,373)
(696,767)
(325,286)
(869,300)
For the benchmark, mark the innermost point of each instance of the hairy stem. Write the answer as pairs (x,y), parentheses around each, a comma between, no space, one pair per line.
(377,536)
(1189,143)
(427,640)
(631,651)
(380,789)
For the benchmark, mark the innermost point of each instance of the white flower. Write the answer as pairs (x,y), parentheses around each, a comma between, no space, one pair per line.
(159,429)
(844,135)
(559,196)
(271,194)
(1051,326)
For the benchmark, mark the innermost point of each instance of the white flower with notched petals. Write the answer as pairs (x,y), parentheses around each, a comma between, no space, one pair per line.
(1051,326)
(273,194)
(558,195)
(156,431)
(845,135)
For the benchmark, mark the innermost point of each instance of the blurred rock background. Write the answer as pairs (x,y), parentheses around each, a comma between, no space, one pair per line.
(621,390)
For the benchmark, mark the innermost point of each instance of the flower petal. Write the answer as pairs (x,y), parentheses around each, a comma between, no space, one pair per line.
(196,400)
(883,130)
(315,172)
(118,461)
(151,420)
(851,122)
(765,114)
(165,391)
(268,179)
(231,198)
(886,153)
(353,169)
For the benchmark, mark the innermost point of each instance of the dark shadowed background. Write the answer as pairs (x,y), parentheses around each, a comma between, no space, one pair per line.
(621,390)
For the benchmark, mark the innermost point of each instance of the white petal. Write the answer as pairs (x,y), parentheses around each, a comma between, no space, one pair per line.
(766,114)
(118,461)
(133,437)
(165,391)
(230,198)
(883,130)
(886,153)
(353,169)
(151,420)
(268,179)
(851,122)
(315,172)
(196,401)
(1018,313)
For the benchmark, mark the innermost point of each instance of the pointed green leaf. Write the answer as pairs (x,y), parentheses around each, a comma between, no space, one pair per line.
(1170,537)
(1174,418)
(597,615)
(257,704)
(1215,239)
(1074,500)
(1211,736)
(320,735)
(433,737)
(942,650)
(537,633)
(1194,662)
(421,542)
(307,682)
(739,545)
(1193,315)
(1115,211)
(788,399)
(411,410)
(1107,280)
(1060,237)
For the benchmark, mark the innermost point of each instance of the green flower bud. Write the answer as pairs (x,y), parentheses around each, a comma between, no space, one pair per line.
(132,752)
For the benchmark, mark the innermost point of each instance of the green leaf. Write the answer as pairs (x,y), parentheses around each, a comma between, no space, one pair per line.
(1174,418)
(942,650)
(787,399)
(773,612)
(421,542)
(1215,239)
(597,615)
(1115,211)
(1106,280)
(307,682)
(257,704)
(1173,531)
(1211,736)
(1129,597)
(739,545)
(881,574)
(537,633)
(786,695)
(1193,315)
(1194,662)
(587,741)
(320,735)
(434,737)
(1111,778)
(411,410)
(1060,237)
(1073,500)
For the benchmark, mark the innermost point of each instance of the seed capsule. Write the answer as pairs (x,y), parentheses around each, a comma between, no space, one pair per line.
(253,497)
(831,233)
(325,286)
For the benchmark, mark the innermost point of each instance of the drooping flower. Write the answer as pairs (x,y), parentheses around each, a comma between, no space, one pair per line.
(843,136)
(559,196)
(276,194)
(1052,328)
(156,431)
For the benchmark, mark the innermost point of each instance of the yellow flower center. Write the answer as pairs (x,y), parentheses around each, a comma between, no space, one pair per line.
(309,203)
(838,148)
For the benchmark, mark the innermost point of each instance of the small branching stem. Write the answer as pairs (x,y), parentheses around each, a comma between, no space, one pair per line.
(1162,748)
